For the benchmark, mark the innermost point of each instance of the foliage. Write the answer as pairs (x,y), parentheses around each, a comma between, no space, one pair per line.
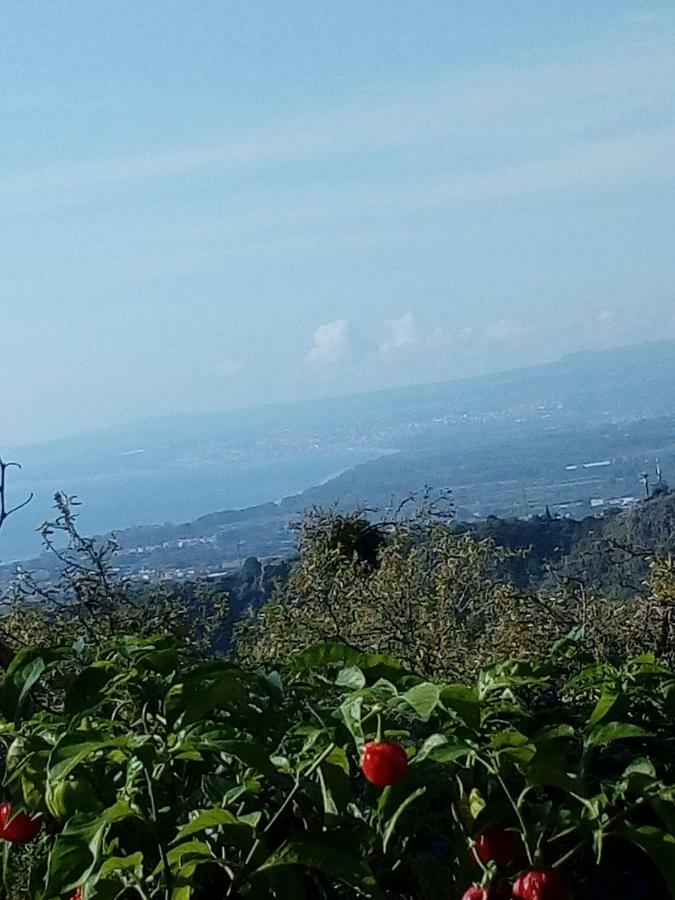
(210,780)
(164,770)
(89,601)
(439,600)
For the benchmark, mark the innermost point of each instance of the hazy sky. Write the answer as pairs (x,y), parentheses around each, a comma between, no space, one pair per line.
(216,203)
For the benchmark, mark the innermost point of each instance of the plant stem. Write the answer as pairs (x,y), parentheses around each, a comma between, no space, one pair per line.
(613,822)
(160,845)
(296,787)
(289,797)
(519,815)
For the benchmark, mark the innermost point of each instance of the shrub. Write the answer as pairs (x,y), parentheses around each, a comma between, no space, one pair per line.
(213,781)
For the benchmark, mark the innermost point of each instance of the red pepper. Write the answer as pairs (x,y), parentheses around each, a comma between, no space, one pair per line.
(21,829)
(476,892)
(504,848)
(542,884)
(500,891)
(384,762)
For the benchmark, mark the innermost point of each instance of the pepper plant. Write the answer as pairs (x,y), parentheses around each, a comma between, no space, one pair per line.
(159,777)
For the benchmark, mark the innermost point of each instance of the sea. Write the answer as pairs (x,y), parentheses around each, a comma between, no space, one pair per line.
(119,497)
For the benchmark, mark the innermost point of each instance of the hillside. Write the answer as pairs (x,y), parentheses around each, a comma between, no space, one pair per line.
(572,435)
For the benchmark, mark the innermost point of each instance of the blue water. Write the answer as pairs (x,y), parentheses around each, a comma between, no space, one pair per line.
(166,494)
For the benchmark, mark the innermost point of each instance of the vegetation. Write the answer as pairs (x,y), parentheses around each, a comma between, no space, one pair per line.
(400,721)
(158,777)
(442,601)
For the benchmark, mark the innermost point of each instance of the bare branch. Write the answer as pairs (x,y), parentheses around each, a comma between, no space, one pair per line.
(6,511)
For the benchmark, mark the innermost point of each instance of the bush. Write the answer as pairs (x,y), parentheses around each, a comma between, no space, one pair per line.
(439,601)
(213,781)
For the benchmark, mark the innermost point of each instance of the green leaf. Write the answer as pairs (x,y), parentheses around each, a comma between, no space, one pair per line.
(462,701)
(250,753)
(351,677)
(336,786)
(164,662)
(430,744)
(553,733)
(34,778)
(450,751)
(197,697)
(22,673)
(546,773)
(232,828)
(423,698)
(113,864)
(78,849)
(89,688)
(74,748)
(511,674)
(323,853)
(477,803)
(515,745)
(351,713)
(188,850)
(614,731)
(327,655)
(604,706)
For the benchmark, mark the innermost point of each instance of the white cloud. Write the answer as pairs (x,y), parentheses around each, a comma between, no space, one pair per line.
(337,342)
(399,333)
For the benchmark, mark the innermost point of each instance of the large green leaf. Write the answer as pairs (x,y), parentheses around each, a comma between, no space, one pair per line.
(512,674)
(22,673)
(351,677)
(614,731)
(74,748)
(324,853)
(78,849)
(351,714)
(462,701)
(327,655)
(394,818)
(196,698)
(423,698)
(607,702)
(234,830)
(90,687)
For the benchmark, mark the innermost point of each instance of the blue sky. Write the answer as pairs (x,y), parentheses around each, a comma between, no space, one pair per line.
(212,204)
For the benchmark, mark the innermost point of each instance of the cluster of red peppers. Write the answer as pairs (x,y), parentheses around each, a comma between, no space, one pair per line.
(385,762)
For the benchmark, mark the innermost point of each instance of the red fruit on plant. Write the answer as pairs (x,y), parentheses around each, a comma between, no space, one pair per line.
(496,844)
(542,884)
(476,892)
(21,829)
(384,762)
(78,895)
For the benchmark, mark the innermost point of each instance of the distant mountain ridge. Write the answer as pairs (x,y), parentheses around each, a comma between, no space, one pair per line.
(587,379)
(507,444)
